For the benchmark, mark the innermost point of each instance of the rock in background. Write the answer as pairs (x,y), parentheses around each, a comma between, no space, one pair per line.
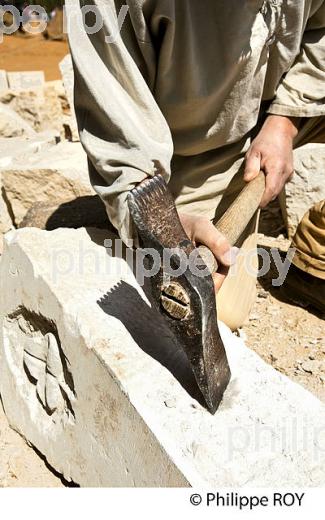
(66,69)
(12,124)
(6,223)
(46,175)
(43,167)
(75,213)
(43,106)
(3,80)
(40,107)
(10,149)
(307,186)
(25,80)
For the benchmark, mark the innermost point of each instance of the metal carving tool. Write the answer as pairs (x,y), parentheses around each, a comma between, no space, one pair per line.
(188,301)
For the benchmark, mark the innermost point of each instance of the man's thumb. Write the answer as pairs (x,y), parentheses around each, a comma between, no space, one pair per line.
(252,166)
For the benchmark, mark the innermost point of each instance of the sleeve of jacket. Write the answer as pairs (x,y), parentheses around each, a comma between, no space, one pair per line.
(301,92)
(121,127)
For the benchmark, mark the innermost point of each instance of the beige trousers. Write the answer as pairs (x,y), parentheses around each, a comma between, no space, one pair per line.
(309,242)
(238,293)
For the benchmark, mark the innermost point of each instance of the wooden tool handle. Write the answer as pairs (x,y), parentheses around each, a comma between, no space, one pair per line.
(234,221)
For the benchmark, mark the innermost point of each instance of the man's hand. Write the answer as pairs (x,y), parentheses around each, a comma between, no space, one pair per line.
(200,230)
(272,152)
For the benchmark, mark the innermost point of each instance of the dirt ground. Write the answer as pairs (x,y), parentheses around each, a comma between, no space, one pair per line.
(289,337)
(29,53)
(286,335)
(20,465)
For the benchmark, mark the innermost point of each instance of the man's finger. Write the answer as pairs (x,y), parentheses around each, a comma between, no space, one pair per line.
(217,243)
(274,183)
(252,165)
(218,279)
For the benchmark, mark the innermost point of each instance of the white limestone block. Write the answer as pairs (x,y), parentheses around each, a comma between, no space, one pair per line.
(90,387)
(26,80)
(66,70)
(3,80)
(67,73)
(307,186)
(12,124)
(5,218)
(41,107)
(44,175)
(22,148)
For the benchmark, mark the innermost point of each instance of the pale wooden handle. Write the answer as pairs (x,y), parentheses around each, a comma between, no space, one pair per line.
(234,221)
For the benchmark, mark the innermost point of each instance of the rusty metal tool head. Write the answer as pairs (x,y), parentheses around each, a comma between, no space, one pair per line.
(187,301)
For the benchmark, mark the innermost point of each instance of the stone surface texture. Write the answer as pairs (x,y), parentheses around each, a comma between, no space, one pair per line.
(307,186)
(20,464)
(66,69)
(12,124)
(22,148)
(3,80)
(40,107)
(77,381)
(5,218)
(43,172)
(10,150)
(81,212)
(25,80)
(6,223)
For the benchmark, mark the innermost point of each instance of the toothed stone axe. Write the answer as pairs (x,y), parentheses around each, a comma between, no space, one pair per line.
(186,296)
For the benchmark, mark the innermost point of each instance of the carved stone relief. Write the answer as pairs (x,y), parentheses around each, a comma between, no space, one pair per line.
(44,364)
